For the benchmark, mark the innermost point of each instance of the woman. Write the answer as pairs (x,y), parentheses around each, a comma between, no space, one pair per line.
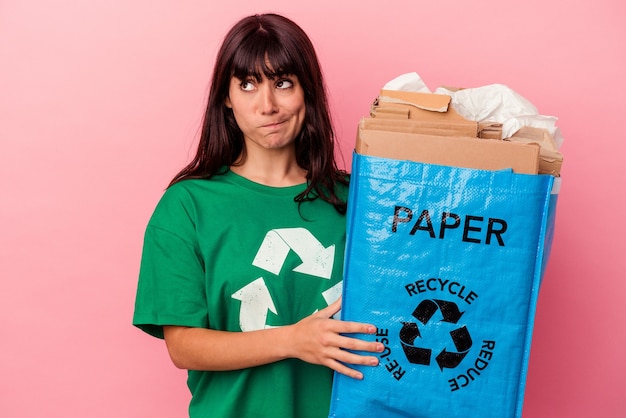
(250,237)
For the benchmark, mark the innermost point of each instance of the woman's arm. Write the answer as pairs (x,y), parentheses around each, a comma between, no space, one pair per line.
(315,339)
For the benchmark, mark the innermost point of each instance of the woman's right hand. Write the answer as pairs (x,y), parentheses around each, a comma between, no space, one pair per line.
(319,339)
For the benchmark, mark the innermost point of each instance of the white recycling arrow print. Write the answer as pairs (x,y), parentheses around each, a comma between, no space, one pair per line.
(316,260)
(255,302)
(331,295)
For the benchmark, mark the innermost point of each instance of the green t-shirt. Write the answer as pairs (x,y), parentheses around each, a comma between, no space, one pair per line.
(230,254)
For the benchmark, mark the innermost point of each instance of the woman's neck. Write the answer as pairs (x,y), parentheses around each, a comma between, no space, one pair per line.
(273,169)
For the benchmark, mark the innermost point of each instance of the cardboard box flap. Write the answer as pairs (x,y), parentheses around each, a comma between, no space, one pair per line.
(485,154)
(491,130)
(389,112)
(392,104)
(447,128)
(537,135)
(550,159)
(426,101)
(392,122)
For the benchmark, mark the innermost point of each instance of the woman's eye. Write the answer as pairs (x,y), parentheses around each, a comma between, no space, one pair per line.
(247,85)
(284,84)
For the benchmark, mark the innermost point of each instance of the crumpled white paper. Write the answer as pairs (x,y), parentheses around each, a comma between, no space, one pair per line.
(408,82)
(491,103)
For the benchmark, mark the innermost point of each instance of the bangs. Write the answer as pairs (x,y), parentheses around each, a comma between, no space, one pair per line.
(263,56)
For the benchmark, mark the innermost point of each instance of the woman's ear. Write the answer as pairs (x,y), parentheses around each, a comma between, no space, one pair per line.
(227,103)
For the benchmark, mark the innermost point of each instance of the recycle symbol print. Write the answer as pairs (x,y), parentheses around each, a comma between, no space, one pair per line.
(317,261)
(424,313)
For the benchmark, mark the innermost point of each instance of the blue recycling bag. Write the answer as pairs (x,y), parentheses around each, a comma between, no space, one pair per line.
(447,263)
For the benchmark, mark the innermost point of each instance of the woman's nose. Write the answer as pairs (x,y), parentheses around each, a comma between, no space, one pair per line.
(267,100)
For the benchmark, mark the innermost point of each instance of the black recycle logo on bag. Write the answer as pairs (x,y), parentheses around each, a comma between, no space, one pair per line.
(460,336)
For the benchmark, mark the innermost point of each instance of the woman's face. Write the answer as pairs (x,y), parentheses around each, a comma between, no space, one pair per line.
(269,112)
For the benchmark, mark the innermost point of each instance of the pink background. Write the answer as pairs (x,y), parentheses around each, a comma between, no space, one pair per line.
(100,104)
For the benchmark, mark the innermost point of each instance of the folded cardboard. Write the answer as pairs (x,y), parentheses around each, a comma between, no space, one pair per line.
(459,151)
(450,128)
(550,159)
(491,130)
(415,105)
(427,108)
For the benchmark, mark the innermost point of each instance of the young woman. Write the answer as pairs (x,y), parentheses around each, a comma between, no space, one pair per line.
(242,261)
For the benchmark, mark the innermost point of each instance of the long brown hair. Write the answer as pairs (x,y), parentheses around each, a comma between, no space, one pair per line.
(276,46)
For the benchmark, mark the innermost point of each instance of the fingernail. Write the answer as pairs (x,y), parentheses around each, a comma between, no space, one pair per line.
(374,361)
(358,376)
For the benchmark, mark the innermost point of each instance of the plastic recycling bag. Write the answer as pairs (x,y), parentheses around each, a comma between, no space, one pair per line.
(447,263)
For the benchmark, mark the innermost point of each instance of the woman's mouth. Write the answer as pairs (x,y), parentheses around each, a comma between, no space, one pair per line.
(273,124)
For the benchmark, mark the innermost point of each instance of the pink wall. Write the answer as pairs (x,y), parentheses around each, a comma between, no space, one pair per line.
(100,104)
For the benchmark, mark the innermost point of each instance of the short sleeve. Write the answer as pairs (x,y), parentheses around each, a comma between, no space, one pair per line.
(171,287)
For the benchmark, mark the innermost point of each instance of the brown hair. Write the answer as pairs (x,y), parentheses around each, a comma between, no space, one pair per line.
(276,46)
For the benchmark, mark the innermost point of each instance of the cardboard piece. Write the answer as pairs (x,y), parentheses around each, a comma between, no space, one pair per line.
(451,128)
(490,130)
(459,151)
(550,159)
(428,108)
(418,106)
